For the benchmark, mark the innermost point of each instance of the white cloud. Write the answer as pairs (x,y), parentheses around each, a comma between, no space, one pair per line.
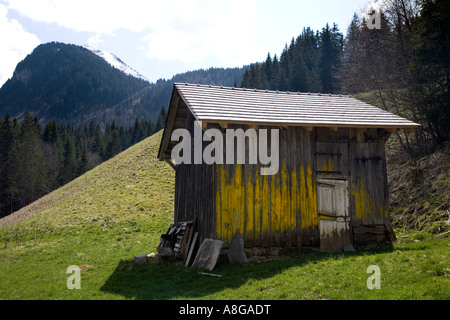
(173,30)
(95,41)
(204,29)
(97,16)
(15,44)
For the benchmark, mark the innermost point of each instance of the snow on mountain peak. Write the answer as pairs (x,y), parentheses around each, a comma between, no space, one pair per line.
(116,62)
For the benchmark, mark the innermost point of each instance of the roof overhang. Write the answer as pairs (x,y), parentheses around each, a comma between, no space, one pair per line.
(225,105)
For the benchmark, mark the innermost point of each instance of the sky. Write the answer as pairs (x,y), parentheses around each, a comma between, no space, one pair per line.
(162,38)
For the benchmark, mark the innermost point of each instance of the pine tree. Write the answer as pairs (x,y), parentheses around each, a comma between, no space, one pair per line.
(84,160)
(113,144)
(69,169)
(331,46)
(300,74)
(308,44)
(31,165)
(286,70)
(432,67)
(9,188)
(276,74)
(161,122)
(98,144)
(138,132)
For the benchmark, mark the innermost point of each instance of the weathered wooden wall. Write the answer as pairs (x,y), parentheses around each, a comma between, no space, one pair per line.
(359,156)
(195,192)
(272,210)
(281,210)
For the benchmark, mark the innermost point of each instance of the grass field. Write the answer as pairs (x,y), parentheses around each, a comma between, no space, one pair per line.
(119,209)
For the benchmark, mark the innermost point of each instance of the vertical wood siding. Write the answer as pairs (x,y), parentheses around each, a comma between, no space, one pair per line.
(273,210)
(282,210)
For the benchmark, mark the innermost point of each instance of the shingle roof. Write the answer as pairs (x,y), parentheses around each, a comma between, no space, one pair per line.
(238,105)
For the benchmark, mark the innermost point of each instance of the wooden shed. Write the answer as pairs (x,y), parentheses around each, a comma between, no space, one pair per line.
(330,190)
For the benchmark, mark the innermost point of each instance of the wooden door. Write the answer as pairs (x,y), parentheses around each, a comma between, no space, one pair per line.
(334,219)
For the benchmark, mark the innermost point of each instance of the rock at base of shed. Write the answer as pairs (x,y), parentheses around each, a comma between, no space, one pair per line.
(236,252)
(207,254)
(141,259)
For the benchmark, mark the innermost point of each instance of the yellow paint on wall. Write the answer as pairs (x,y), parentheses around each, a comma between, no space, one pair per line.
(312,196)
(364,206)
(308,199)
(286,212)
(258,209)
(250,205)
(273,206)
(295,207)
(222,205)
(264,205)
(325,164)
(238,203)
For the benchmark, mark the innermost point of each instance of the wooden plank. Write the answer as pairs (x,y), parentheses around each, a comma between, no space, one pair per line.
(207,254)
(251,121)
(292,150)
(171,164)
(191,250)
(210,274)
(189,240)
(184,239)
(375,229)
(169,123)
(284,198)
(298,183)
(249,200)
(285,192)
(257,205)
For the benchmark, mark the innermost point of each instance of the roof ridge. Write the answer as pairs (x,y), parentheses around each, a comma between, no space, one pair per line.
(263,90)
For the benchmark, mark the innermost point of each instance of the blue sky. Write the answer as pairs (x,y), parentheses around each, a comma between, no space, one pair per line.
(162,38)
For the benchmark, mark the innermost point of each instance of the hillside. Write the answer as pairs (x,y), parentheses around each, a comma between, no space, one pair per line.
(419,189)
(132,185)
(119,209)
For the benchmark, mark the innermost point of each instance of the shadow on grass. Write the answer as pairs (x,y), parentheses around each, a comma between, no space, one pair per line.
(166,281)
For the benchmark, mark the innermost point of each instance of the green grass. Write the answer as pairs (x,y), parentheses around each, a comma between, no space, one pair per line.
(120,209)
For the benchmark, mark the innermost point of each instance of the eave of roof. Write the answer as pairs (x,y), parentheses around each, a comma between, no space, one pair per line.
(239,105)
(229,105)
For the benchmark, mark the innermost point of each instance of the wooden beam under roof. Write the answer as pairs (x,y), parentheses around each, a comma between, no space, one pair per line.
(169,124)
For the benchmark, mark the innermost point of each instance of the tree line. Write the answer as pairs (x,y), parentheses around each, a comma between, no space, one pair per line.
(309,64)
(406,64)
(36,159)
(399,53)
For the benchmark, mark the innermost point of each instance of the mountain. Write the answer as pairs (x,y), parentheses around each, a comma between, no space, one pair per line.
(67,83)
(75,84)
(116,62)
